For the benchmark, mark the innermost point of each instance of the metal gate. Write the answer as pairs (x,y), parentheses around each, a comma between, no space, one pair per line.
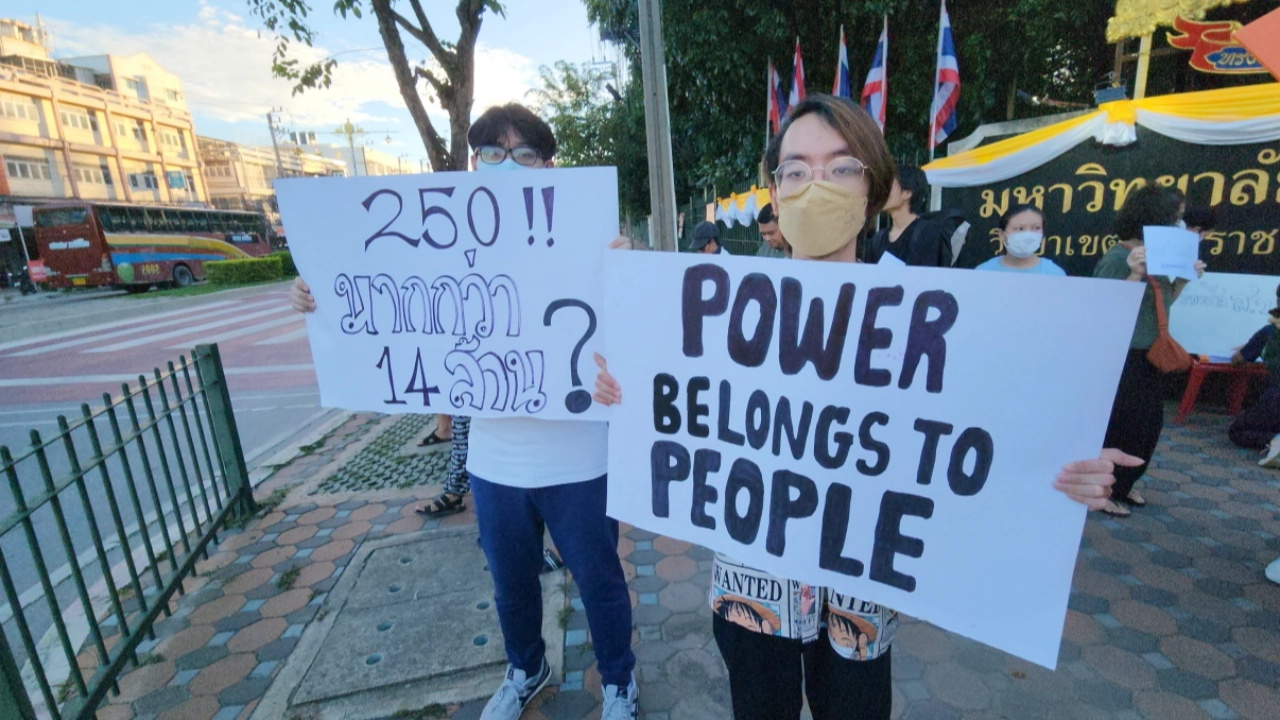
(103,522)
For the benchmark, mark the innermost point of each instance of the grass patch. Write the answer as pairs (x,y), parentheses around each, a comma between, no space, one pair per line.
(434,710)
(289,577)
(200,288)
(311,449)
(265,506)
(563,616)
(145,659)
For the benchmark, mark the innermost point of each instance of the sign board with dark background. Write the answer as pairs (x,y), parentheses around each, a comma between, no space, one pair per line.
(1081,191)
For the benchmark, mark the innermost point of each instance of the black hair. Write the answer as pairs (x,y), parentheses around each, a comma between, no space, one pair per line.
(727,606)
(1201,218)
(1148,205)
(766,215)
(912,179)
(491,129)
(1018,210)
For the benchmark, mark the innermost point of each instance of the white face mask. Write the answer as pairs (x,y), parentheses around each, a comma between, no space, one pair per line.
(1023,244)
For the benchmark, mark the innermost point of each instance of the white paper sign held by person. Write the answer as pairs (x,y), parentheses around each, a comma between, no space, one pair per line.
(463,293)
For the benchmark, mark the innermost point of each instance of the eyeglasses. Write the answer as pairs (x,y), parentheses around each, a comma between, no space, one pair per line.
(845,171)
(494,154)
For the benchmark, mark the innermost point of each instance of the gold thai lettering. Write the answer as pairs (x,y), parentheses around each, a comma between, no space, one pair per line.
(1215,237)
(1067,192)
(1264,242)
(1091,169)
(1089,244)
(989,205)
(994,235)
(1242,238)
(1122,189)
(1219,184)
(1099,195)
(1269,156)
(1057,245)
(1169,181)
(1109,242)
(1035,197)
(1256,179)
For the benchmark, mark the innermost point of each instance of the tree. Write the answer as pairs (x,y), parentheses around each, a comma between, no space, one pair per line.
(717,52)
(451,78)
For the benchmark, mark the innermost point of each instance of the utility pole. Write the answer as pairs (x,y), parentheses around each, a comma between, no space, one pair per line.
(275,145)
(662,187)
(350,132)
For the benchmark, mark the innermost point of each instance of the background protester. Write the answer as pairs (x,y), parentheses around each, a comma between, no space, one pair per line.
(1258,427)
(1137,416)
(914,239)
(1021,235)
(706,239)
(774,245)
(831,171)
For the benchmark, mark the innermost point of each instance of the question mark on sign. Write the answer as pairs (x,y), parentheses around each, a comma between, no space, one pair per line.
(578,400)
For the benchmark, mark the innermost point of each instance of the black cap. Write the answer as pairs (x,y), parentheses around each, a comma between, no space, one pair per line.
(704,232)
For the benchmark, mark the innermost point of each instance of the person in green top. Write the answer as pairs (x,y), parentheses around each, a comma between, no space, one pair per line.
(1137,416)
(773,245)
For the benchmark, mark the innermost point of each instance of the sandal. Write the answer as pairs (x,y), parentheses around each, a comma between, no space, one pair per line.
(1115,510)
(433,439)
(442,505)
(1134,499)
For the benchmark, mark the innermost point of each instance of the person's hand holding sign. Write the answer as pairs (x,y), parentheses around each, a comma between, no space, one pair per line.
(1088,482)
(1138,264)
(300,297)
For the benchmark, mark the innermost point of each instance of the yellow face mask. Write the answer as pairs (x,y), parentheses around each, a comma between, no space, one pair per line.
(821,217)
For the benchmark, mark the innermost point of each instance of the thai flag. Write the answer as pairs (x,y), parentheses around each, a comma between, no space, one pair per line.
(942,115)
(875,91)
(840,88)
(776,102)
(797,80)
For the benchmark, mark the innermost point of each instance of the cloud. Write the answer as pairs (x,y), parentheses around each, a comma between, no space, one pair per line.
(224,63)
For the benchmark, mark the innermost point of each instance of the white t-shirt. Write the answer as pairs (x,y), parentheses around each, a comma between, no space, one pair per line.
(529,453)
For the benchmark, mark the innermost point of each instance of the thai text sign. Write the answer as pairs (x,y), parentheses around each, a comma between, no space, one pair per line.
(892,433)
(463,293)
(1218,313)
(1082,190)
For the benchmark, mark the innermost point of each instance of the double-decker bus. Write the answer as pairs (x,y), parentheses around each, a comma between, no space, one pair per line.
(87,244)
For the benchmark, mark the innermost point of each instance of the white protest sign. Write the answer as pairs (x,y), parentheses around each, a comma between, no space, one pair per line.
(1221,312)
(892,433)
(464,293)
(1171,251)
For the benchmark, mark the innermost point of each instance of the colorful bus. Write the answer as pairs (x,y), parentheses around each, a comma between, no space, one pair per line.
(88,244)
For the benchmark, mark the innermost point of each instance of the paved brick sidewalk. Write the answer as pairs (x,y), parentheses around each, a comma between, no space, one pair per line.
(1171,617)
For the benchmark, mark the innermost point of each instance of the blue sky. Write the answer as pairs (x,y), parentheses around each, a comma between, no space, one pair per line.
(223,57)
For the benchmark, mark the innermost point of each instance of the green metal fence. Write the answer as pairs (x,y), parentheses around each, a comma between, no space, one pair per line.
(136,490)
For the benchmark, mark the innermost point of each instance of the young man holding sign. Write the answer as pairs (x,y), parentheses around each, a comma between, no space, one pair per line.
(782,639)
(530,475)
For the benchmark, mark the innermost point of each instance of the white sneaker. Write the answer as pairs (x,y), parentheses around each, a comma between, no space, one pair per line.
(1272,458)
(516,691)
(1273,571)
(621,703)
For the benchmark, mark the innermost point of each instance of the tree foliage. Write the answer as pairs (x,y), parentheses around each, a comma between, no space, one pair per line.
(717,53)
(450,77)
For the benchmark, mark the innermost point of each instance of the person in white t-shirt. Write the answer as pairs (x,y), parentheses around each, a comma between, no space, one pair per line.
(528,475)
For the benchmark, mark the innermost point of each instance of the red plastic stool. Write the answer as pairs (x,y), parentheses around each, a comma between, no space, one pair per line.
(1239,376)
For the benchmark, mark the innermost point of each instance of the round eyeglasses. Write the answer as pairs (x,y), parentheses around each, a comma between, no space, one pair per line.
(494,154)
(844,171)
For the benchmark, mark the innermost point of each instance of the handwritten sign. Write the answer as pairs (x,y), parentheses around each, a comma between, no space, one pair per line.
(892,433)
(1171,251)
(1220,312)
(465,293)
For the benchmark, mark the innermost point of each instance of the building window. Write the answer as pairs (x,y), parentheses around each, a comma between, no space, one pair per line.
(92,175)
(26,168)
(218,171)
(124,129)
(144,181)
(77,120)
(133,86)
(173,95)
(170,138)
(19,108)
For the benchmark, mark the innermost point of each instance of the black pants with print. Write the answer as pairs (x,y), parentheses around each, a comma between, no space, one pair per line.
(1259,422)
(1137,418)
(769,677)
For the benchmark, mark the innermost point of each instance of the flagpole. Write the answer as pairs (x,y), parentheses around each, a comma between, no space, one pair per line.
(937,58)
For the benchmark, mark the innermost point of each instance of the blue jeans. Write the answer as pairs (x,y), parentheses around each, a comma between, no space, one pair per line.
(511,524)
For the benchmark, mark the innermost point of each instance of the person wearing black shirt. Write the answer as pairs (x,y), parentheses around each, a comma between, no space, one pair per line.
(913,239)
